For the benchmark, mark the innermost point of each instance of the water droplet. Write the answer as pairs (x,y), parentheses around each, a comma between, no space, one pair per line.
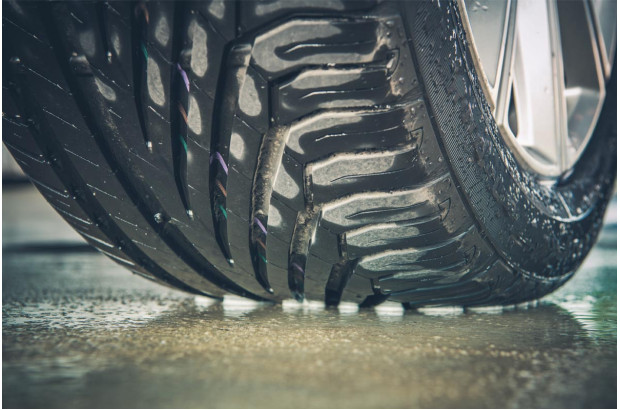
(159,218)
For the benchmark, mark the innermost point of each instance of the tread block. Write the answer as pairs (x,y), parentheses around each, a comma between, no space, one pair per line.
(254,14)
(349,173)
(330,88)
(365,208)
(447,221)
(330,132)
(464,258)
(301,42)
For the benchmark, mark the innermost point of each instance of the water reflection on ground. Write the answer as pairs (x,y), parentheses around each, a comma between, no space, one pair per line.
(79,331)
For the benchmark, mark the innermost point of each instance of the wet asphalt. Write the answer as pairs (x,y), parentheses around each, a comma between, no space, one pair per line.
(80,331)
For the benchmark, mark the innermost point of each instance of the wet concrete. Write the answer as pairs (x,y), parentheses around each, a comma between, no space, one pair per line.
(80,331)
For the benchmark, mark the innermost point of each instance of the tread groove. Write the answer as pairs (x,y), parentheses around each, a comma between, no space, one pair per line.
(70,176)
(144,199)
(268,165)
(179,108)
(233,69)
(138,18)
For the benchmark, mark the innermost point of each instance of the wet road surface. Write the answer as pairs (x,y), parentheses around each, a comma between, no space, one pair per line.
(80,331)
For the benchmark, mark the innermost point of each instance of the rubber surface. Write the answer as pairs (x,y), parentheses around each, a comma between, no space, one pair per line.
(339,151)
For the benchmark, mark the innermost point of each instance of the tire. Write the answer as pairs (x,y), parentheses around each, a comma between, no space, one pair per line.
(336,152)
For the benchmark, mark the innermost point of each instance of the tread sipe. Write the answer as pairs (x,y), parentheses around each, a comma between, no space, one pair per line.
(264,149)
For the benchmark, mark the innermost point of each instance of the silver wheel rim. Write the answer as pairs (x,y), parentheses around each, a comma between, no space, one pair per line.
(543,65)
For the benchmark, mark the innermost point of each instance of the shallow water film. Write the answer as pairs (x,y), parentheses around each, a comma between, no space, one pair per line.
(80,331)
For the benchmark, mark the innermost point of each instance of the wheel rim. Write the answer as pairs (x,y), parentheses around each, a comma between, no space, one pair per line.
(543,65)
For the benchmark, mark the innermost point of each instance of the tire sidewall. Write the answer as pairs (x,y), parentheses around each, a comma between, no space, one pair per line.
(539,230)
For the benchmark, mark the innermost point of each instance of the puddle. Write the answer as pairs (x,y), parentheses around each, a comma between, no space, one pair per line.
(80,331)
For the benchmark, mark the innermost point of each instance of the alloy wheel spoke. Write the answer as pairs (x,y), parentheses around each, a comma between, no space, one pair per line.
(584,78)
(546,82)
(504,83)
(537,86)
(604,19)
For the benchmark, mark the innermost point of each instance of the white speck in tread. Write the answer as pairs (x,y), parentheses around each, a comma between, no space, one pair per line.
(118,258)
(62,194)
(45,78)
(109,245)
(158,114)
(102,191)
(76,18)
(127,222)
(37,158)
(70,215)
(111,111)
(143,244)
(81,157)
(58,118)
